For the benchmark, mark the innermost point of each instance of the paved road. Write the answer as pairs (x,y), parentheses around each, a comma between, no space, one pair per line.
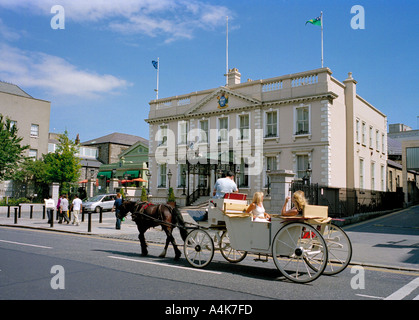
(106,265)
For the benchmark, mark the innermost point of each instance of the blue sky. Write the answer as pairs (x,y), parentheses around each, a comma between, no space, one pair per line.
(98,75)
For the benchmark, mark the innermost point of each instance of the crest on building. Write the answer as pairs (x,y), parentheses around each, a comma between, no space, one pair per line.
(222,101)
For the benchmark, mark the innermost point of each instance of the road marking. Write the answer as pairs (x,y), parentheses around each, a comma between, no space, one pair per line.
(366,296)
(404,291)
(164,265)
(26,244)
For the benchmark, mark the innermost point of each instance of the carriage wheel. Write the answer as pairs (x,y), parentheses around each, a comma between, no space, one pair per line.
(230,254)
(199,248)
(339,249)
(299,252)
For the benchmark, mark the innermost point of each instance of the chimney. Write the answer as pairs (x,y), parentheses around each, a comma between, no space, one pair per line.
(233,77)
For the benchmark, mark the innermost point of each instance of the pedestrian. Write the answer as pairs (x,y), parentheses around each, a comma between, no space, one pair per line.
(116,205)
(257,209)
(50,206)
(77,207)
(299,201)
(225,185)
(64,209)
(59,206)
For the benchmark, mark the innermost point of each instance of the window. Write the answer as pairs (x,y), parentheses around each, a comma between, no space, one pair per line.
(371,138)
(270,165)
(383,175)
(162,176)
(271,124)
(302,123)
(373,176)
(182,177)
(243,177)
(183,132)
(357,131)
(383,143)
(361,173)
(302,165)
(33,153)
(203,133)
(364,132)
(34,130)
(377,140)
(223,129)
(244,126)
(162,136)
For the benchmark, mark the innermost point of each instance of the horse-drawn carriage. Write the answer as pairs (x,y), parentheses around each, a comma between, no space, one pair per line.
(302,247)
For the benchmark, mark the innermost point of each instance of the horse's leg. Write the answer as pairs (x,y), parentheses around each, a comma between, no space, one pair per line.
(163,253)
(171,239)
(143,243)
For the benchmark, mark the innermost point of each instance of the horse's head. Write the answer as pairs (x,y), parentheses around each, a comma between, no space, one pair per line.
(125,208)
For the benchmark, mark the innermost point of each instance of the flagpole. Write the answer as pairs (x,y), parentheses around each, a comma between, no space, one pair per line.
(321,20)
(158,69)
(226,50)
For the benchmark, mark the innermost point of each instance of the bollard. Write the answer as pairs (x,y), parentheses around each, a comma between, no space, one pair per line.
(82,215)
(31,212)
(8,211)
(16,215)
(43,212)
(20,211)
(100,214)
(89,223)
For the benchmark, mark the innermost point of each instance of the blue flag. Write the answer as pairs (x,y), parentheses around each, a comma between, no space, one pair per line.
(155,64)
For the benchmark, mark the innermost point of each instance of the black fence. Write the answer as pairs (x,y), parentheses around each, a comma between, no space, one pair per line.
(344,202)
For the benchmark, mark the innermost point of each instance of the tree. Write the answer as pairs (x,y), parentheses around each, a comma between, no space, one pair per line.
(11,150)
(63,166)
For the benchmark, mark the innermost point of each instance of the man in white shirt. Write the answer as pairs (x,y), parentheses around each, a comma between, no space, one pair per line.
(225,185)
(64,210)
(77,207)
(50,206)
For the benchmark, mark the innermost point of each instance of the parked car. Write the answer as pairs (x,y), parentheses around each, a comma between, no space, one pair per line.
(105,201)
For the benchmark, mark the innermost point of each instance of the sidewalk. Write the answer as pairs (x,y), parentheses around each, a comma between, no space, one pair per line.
(366,252)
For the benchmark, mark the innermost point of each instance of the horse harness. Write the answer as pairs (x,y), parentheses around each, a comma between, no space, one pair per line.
(145,205)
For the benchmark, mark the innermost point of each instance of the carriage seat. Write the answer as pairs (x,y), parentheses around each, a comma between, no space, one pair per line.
(317,213)
(235,208)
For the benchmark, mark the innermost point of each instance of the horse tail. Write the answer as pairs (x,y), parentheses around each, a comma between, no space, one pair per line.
(180,222)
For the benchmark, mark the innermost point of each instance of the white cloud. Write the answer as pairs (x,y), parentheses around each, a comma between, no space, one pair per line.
(172,19)
(54,74)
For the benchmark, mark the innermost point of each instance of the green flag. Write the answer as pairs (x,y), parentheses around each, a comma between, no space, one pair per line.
(317,21)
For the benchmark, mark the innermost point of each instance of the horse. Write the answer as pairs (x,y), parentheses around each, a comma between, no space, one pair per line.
(147,215)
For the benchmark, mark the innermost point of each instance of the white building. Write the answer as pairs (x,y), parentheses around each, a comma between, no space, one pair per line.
(293,122)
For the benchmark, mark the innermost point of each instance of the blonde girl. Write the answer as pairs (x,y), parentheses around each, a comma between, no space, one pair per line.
(257,209)
(299,201)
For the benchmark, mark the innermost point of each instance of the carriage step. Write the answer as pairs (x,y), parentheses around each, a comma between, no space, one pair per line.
(265,259)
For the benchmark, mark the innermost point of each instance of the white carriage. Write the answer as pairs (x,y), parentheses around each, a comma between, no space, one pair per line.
(302,247)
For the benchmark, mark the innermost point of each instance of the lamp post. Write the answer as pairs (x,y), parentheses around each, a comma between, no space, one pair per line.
(268,171)
(308,172)
(169,176)
(148,174)
(184,182)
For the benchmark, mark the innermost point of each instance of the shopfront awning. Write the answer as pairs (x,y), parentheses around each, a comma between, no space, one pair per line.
(107,174)
(132,173)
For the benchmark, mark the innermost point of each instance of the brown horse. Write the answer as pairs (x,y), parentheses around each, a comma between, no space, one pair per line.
(147,215)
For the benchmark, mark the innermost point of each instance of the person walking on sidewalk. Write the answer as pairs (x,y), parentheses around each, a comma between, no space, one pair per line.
(77,207)
(50,206)
(116,205)
(64,210)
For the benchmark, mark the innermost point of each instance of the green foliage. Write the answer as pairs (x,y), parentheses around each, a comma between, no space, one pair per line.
(171,196)
(13,202)
(63,166)
(143,194)
(11,151)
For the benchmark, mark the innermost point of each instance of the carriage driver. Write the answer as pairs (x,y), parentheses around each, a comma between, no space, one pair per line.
(225,185)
